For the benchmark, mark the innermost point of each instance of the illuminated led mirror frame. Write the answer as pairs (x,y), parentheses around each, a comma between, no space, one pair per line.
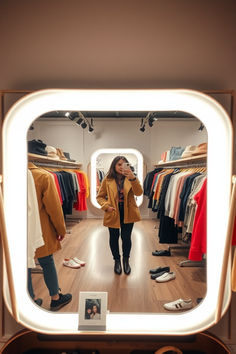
(218,125)
(120,151)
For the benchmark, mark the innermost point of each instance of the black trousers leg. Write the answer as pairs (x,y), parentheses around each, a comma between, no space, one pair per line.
(114,242)
(126,230)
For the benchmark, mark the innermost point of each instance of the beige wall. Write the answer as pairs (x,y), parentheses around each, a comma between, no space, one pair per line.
(119,44)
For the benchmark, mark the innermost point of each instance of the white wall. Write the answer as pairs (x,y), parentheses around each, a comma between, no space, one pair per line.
(118,134)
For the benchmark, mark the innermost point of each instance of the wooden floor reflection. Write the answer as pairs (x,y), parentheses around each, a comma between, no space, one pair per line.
(88,241)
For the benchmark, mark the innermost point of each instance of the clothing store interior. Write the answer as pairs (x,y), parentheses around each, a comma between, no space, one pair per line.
(167,152)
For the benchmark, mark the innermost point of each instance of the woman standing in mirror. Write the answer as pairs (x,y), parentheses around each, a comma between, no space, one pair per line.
(117,198)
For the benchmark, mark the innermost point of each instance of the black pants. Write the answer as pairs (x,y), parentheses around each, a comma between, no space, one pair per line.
(126,230)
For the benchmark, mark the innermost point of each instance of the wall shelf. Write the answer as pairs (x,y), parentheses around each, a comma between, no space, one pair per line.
(47,160)
(185,161)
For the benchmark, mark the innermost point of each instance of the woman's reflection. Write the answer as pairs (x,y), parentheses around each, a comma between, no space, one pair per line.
(117,199)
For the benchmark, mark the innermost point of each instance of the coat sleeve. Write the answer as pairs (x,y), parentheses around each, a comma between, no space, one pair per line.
(102,196)
(136,187)
(52,205)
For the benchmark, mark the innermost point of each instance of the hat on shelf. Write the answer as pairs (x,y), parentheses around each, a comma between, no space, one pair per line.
(67,155)
(60,154)
(200,150)
(37,147)
(52,152)
(176,152)
(188,151)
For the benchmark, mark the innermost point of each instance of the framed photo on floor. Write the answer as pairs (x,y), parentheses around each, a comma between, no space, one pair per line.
(92,310)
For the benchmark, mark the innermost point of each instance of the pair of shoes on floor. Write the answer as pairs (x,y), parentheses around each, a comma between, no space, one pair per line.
(155,276)
(161,253)
(38,301)
(159,269)
(73,263)
(165,277)
(62,301)
(126,266)
(179,305)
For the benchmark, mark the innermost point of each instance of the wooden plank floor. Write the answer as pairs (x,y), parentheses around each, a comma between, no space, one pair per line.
(137,292)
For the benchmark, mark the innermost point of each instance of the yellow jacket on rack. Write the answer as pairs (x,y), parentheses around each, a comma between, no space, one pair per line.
(108,196)
(50,211)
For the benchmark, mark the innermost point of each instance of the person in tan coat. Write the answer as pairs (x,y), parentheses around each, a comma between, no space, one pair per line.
(53,231)
(117,198)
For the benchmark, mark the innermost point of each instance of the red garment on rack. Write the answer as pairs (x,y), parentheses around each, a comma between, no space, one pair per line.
(81,204)
(198,239)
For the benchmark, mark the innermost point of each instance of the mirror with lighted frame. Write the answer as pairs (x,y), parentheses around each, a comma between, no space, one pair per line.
(142,316)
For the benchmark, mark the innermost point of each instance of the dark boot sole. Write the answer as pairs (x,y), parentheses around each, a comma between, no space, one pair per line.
(60,306)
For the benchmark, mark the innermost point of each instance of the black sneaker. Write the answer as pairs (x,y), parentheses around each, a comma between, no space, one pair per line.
(162,253)
(159,269)
(38,301)
(62,301)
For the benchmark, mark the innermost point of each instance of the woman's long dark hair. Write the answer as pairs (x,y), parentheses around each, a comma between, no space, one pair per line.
(112,171)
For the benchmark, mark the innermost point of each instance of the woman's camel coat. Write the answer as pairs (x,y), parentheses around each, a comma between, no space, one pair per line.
(50,211)
(108,196)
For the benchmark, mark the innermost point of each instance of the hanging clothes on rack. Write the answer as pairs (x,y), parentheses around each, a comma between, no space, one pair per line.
(81,203)
(199,235)
(190,211)
(147,183)
(168,196)
(71,183)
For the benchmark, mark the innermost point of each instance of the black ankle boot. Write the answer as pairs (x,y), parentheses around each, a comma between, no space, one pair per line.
(126,265)
(117,266)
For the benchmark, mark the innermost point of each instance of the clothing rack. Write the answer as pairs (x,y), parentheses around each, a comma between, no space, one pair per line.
(191,162)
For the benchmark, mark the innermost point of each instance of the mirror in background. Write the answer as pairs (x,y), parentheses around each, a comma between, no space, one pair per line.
(174,149)
(103,163)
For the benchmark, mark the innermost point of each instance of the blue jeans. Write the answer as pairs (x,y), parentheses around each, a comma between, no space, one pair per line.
(49,274)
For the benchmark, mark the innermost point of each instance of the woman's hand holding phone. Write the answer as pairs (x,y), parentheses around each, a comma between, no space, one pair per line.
(127,172)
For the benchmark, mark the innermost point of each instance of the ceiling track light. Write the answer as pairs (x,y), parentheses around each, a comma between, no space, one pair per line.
(142,129)
(150,118)
(82,120)
(83,125)
(72,115)
(79,121)
(201,127)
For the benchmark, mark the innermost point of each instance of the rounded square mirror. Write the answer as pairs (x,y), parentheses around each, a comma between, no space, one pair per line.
(218,126)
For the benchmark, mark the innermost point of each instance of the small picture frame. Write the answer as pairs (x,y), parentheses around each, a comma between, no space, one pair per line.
(92,311)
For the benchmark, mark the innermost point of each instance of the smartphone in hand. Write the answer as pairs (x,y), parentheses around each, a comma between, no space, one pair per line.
(126,166)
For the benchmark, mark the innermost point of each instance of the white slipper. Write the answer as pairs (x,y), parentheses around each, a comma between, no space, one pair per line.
(165,277)
(77,260)
(179,305)
(70,263)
